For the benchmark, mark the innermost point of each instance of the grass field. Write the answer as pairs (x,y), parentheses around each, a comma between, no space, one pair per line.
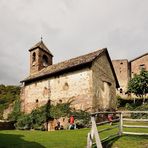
(66,139)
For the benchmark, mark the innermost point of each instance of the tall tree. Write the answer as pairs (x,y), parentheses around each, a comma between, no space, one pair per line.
(138,85)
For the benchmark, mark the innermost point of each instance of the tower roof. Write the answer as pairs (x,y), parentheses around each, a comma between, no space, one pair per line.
(42,46)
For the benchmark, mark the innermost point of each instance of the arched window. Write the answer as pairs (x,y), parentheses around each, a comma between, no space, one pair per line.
(33,57)
(45,60)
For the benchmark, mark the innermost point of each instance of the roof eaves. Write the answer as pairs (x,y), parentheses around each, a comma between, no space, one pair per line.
(55,72)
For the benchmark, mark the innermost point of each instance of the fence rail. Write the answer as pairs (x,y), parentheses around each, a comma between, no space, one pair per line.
(93,135)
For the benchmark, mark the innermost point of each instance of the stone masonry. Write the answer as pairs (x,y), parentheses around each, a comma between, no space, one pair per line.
(88,80)
(125,70)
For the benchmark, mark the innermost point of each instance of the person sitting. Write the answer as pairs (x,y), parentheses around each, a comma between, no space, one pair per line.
(58,126)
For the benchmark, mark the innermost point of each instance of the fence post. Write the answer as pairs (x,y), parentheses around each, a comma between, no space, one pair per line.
(121,124)
(95,132)
(89,141)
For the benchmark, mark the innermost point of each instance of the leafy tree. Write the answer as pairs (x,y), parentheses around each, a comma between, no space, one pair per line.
(138,85)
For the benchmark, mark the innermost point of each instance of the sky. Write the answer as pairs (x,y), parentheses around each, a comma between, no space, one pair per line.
(69,28)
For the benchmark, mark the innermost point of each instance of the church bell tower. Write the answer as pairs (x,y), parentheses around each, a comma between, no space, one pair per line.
(40,57)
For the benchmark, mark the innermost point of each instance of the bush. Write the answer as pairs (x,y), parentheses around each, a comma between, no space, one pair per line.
(60,110)
(82,118)
(40,116)
(16,113)
(24,122)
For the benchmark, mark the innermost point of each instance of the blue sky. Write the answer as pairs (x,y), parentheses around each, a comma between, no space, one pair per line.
(69,28)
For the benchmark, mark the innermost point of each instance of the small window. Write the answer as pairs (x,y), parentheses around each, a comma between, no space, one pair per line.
(36,100)
(142,67)
(121,63)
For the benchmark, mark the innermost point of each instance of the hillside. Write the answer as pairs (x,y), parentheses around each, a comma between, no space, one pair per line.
(7,95)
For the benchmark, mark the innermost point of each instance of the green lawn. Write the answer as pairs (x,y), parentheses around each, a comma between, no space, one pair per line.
(66,139)
(39,139)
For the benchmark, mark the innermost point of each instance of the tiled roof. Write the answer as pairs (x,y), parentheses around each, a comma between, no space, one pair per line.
(42,46)
(55,68)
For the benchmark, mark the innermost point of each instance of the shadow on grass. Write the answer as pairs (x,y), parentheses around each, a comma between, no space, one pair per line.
(16,141)
(110,142)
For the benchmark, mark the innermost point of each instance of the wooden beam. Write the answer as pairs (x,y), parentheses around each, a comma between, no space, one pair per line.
(135,126)
(106,129)
(138,120)
(104,122)
(132,133)
(124,112)
(111,136)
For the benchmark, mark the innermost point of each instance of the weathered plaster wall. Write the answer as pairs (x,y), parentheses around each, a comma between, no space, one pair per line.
(34,95)
(104,87)
(76,86)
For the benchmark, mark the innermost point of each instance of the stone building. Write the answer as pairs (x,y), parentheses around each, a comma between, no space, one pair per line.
(137,64)
(125,70)
(88,80)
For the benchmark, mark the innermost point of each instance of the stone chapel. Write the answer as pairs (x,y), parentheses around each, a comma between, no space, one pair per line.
(89,80)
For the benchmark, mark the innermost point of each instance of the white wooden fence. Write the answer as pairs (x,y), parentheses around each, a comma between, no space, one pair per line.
(93,135)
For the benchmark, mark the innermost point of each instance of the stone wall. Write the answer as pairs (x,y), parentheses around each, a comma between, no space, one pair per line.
(34,95)
(122,72)
(75,85)
(37,64)
(104,85)
(138,64)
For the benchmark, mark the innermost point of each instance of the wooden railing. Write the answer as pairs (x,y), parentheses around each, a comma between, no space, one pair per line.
(134,120)
(93,135)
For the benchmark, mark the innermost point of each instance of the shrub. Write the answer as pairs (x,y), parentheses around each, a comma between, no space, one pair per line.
(16,113)
(82,118)
(38,117)
(24,122)
(60,110)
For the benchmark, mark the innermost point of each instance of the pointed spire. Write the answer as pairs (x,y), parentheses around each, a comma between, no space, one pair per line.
(41,38)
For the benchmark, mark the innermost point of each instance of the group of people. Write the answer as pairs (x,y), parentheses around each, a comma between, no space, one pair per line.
(72,124)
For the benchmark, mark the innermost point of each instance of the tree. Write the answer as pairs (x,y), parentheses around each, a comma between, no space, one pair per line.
(138,85)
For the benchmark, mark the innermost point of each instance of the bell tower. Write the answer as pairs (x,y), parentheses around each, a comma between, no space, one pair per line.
(40,57)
